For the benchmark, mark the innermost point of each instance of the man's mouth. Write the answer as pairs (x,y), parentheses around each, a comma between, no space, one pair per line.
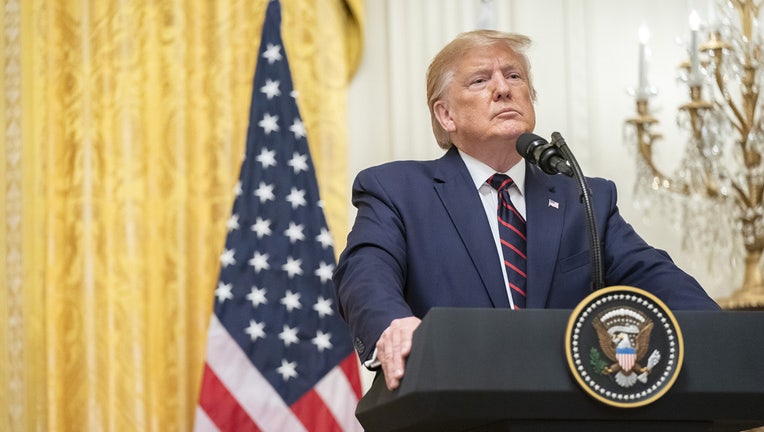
(507,112)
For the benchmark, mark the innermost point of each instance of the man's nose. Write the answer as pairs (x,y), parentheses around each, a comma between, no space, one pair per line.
(501,88)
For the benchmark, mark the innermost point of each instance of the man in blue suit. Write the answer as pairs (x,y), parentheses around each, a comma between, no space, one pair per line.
(426,235)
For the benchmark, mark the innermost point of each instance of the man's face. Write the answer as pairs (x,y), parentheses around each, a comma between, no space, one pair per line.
(488,100)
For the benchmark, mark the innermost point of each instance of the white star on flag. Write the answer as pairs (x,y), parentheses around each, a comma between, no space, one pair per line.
(261,227)
(259,262)
(322,341)
(294,232)
(296,198)
(292,267)
(233,222)
(269,123)
(324,307)
(257,296)
(299,162)
(298,129)
(223,292)
(289,335)
(291,301)
(227,258)
(287,370)
(255,330)
(265,192)
(325,238)
(271,89)
(272,53)
(267,158)
(325,271)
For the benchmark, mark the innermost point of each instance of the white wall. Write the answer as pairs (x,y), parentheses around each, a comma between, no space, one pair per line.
(584,58)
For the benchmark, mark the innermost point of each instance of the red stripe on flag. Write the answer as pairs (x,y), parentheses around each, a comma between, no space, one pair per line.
(349,367)
(221,407)
(314,414)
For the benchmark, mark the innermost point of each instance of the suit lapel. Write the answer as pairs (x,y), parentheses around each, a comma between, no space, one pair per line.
(545,214)
(456,190)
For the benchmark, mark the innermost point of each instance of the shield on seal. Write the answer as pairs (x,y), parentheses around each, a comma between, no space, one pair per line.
(626,357)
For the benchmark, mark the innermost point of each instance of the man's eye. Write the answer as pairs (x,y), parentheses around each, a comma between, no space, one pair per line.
(514,75)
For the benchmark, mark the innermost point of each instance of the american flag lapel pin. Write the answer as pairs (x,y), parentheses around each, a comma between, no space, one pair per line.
(554,204)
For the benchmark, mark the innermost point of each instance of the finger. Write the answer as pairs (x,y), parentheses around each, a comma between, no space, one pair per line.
(392,383)
(385,353)
(406,338)
(397,357)
(406,344)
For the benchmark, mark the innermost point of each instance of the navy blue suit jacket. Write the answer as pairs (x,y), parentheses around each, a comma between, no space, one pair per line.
(421,239)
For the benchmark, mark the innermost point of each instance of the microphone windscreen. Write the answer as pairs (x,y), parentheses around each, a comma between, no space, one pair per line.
(527,142)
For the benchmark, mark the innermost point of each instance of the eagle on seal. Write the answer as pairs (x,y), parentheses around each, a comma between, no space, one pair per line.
(624,338)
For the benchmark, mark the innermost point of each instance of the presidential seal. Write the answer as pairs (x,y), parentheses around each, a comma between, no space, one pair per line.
(624,346)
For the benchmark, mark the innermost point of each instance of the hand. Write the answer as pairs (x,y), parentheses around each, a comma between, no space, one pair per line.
(393,346)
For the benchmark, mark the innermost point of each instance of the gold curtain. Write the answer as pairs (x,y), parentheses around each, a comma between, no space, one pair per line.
(123,129)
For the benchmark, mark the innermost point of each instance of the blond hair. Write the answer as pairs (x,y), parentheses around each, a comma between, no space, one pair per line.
(441,69)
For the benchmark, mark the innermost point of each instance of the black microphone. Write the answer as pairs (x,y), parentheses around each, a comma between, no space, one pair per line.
(539,151)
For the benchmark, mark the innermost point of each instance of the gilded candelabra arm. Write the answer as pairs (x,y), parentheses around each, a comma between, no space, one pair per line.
(741,198)
(743,120)
(715,46)
(747,9)
(645,140)
(750,93)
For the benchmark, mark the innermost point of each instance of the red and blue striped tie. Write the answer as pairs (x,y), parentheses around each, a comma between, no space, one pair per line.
(512,235)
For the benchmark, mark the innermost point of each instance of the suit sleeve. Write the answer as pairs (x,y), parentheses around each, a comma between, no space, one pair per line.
(371,271)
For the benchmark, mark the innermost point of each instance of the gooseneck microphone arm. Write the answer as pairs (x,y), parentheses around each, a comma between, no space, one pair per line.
(556,158)
(598,279)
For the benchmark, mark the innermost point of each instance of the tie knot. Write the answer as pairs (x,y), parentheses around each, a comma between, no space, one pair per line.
(500,182)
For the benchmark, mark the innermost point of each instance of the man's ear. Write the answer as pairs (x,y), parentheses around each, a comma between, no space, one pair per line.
(444,116)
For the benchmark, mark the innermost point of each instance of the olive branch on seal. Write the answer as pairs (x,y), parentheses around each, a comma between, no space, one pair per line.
(596,362)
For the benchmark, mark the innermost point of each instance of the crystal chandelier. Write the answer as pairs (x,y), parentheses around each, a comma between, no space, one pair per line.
(717,193)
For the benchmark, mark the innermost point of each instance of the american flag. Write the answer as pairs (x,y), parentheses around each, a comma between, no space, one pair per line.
(279,358)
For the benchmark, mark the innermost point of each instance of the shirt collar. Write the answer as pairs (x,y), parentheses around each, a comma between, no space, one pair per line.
(480,172)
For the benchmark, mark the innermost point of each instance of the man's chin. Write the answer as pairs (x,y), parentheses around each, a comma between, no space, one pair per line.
(514,133)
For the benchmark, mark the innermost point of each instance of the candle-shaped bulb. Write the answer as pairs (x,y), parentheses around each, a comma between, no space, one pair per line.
(694,21)
(694,59)
(644,36)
